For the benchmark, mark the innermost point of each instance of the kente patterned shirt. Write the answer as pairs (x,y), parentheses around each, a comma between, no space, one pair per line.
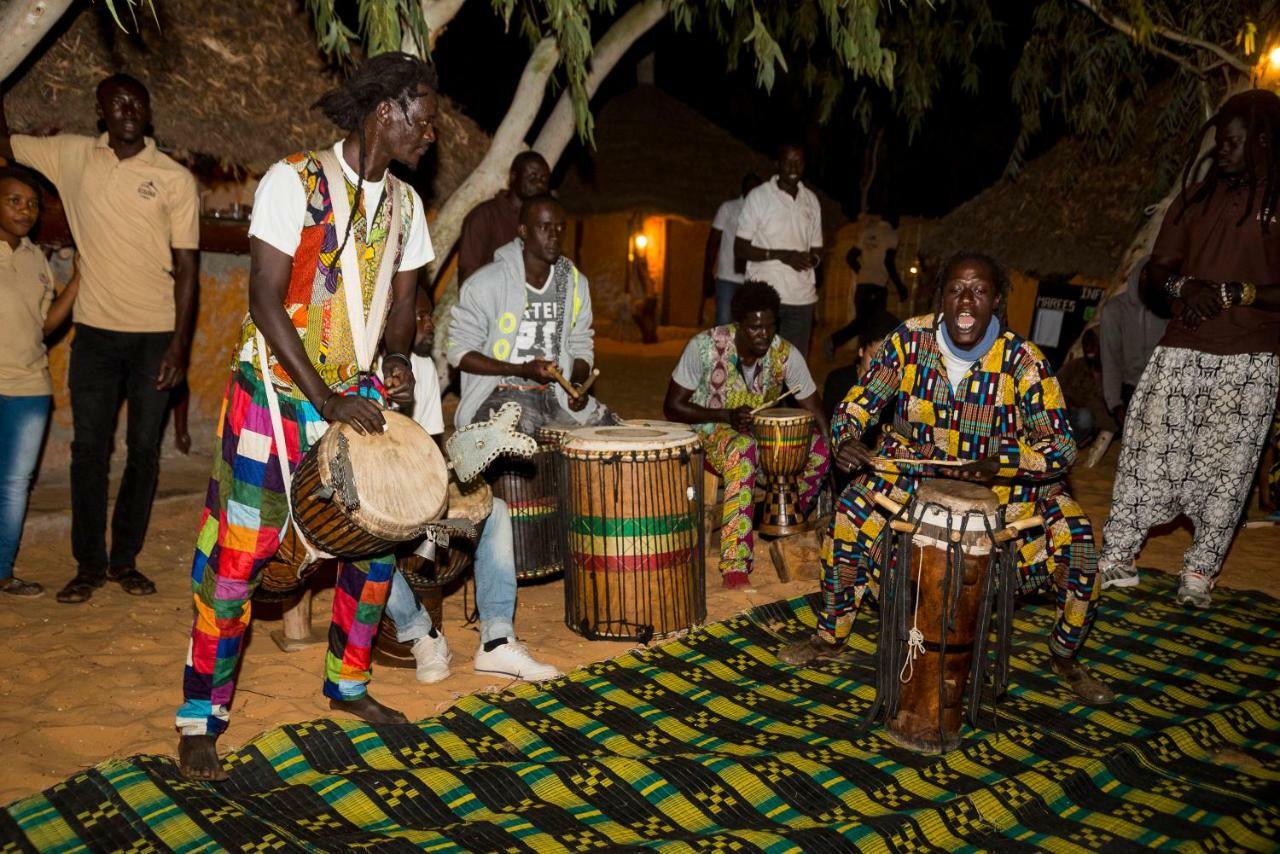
(1009,406)
(315,301)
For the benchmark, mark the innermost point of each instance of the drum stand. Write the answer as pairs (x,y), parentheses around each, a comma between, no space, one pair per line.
(781,514)
(297,633)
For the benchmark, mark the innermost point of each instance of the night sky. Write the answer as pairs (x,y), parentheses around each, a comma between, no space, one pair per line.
(961,148)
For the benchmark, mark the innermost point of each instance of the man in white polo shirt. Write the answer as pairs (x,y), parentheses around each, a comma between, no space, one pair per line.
(780,238)
(134,214)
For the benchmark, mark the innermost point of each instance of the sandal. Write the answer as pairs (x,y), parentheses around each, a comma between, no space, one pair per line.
(15,586)
(80,588)
(133,582)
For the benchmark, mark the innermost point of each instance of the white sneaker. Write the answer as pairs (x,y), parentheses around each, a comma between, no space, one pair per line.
(433,657)
(1120,575)
(512,659)
(1194,590)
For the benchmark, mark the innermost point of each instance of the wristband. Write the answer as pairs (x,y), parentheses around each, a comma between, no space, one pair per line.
(1173,286)
(401,356)
(1248,293)
(1224,295)
(322,407)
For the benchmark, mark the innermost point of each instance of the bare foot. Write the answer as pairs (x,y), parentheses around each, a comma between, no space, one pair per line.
(198,758)
(369,709)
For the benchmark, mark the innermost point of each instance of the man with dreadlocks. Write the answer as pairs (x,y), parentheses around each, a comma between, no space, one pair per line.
(1199,416)
(965,389)
(313,323)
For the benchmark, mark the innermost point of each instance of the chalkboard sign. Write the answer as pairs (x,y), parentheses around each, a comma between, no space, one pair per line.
(1062,312)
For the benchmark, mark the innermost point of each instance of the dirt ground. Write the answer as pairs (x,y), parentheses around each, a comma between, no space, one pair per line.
(88,682)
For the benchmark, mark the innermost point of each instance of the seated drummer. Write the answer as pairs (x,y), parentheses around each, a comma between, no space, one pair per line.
(499,651)
(521,318)
(724,373)
(966,389)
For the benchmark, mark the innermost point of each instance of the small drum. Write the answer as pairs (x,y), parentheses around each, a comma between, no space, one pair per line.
(356,496)
(942,601)
(287,571)
(635,567)
(782,449)
(530,489)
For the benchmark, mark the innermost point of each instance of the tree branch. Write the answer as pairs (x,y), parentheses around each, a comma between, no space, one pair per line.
(438,14)
(558,129)
(23,23)
(1114,21)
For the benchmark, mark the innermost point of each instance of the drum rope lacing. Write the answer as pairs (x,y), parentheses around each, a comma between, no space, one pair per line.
(915,637)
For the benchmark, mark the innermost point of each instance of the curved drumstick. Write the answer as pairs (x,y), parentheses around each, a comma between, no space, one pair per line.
(564,383)
(1012,530)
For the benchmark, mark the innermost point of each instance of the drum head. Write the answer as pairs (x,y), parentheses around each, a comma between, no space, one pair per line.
(656,424)
(958,496)
(782,413)
(399,477)
(627,438)
(553,434)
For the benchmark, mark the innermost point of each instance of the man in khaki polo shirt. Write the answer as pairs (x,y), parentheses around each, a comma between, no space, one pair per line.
(134,214)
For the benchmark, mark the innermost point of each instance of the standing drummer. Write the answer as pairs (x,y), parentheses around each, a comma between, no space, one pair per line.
(520,320)
(298,301)
(966,389)
(725,373)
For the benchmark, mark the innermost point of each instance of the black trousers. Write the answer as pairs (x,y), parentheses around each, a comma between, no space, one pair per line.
(107,368)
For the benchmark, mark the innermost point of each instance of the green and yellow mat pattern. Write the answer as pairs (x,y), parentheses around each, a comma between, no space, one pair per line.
(709,743)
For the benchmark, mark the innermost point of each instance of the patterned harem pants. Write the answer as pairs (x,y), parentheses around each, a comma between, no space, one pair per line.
(732,455)
(1192,438)
(245,512)
(1063,556)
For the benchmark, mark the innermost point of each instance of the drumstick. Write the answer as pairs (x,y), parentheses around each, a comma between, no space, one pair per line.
(913,462)
(564,383)
(582,389)
(773,402)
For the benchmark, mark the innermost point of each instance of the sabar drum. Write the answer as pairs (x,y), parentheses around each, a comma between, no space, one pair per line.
(952,549)
(635,568)
(783,437)
(533,498)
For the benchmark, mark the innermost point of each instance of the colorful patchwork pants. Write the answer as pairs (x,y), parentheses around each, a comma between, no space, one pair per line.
(245,512)
(732,455)
(1063,553)
(1192,438)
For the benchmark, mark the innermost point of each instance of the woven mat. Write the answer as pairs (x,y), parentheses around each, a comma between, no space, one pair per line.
(709,743)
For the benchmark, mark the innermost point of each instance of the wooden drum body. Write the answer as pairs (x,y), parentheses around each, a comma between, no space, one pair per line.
(530,488)
(783,437)
(934,684)
(635,567)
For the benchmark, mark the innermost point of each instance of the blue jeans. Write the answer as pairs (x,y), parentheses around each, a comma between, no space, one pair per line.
(22,423)
(725,290)
(1082,424)
(495,586)
(795,323)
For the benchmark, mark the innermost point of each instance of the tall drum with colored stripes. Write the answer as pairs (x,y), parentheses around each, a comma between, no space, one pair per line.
(529,488)
(782,448)
(635,568)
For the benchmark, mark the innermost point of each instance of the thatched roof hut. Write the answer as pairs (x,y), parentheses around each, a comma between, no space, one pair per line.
(656,154)
(1070,213)
(231,80)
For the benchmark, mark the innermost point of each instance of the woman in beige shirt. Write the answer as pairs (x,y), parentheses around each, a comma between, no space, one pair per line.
(29,311)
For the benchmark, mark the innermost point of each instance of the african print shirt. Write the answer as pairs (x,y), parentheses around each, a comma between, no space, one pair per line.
(721,384)
(315,300)
(1009,406)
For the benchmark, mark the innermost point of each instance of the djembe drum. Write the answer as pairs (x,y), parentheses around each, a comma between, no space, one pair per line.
(953,561)
(358,495)
(782,438)
(530,489)
(635,567)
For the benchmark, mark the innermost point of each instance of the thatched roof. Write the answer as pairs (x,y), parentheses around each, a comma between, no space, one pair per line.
(657,154)
(1069,212)
(230,80)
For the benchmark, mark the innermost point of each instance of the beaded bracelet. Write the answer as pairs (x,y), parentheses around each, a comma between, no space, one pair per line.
(1173,286)
(1224,295)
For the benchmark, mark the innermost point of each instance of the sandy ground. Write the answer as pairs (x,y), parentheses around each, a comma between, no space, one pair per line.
(102,679)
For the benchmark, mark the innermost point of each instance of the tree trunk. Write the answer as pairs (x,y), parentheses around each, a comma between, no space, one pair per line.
(24,23)
(558,129)
(438,14)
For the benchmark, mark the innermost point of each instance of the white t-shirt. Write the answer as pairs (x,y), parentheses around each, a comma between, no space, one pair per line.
(280,206)
(726,222)
(795,372)
(875,238)
(957,366)
(426,395)
(772,219)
